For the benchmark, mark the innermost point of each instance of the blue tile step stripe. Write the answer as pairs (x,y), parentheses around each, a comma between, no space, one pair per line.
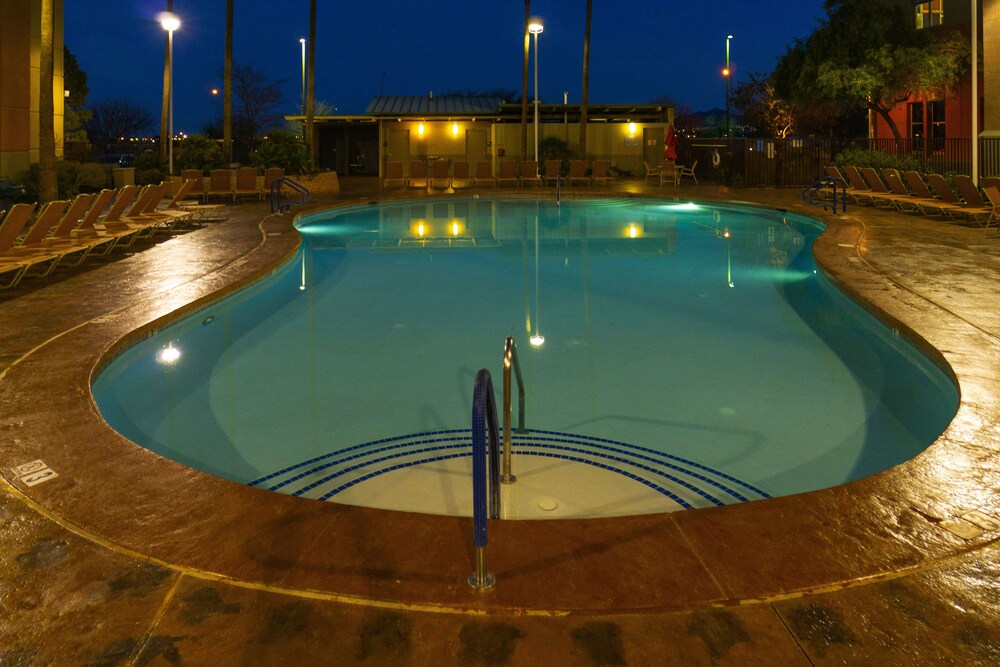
(688,483)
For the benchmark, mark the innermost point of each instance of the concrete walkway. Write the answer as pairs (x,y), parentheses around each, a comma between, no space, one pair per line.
(126,558)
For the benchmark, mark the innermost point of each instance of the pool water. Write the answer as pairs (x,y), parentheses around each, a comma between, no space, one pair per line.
(692,355)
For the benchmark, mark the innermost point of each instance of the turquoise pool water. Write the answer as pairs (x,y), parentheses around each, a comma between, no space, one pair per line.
(673,334)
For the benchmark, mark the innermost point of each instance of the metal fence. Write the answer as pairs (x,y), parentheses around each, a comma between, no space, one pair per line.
(797,162)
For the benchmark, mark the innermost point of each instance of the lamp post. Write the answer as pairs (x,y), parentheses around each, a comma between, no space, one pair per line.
(170,22)
(974,134)
(728,73)
(535,27)
(302,41)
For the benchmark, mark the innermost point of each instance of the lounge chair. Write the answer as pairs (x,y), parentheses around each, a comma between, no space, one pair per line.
(993,194)
(578,172)
(484,174)
(439,174)
(87,230)
(858,189)
(683,171)
(394,175)
(529,173)
(947,195)
(904,200)
(507,175)
(10,228)
(879,192)
(246,183)
(975,207)
(552,169)
(651,172)
(35,249)
(602,172)
(460,178)
(74,214)
(928,202)
(418,174)
(220,183)
(668,173)
(199,178)
(272,174)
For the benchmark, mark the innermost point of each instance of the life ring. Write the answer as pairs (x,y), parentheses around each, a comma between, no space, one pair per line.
(716,158)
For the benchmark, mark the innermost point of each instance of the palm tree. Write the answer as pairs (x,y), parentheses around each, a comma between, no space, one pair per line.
(48,188)
(524,84)
(164,106)
(310,81)
(227,88)
(586,83)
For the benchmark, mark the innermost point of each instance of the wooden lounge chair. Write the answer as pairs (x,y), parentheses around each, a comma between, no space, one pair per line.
(993,194)
(418,174)
(484,174)
(552,169)
(602,172)
(683,171)
(246,183)
(460,178)
(393,175)
(668,173)
(507,175)
(651,172)
(439,174)
(220,183)
(975,207)
(578,172)
(198,177)
(529,173)
(928,202)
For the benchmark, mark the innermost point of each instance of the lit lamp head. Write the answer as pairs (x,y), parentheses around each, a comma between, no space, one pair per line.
(169,21)
(725,71)
(535,25)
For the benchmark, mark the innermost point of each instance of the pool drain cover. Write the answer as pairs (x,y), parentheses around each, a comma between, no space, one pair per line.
(547,504)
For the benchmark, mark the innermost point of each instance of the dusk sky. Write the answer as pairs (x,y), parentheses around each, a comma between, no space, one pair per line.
(640,51)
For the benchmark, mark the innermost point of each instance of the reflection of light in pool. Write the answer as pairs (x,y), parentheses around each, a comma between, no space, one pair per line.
(168,355)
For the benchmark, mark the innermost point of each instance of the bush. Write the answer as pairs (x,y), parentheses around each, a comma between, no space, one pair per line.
(150,167)
(856,157)
(198,152)
(554,148)
(72,178)
(286,150)
(93,177)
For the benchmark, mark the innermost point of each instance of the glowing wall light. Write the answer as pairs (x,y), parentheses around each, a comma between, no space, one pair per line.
(420,129)
(454,129)
(633,231)
(631,129)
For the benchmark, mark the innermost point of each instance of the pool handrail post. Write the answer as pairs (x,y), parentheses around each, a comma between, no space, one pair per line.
(510,361)
(484,422)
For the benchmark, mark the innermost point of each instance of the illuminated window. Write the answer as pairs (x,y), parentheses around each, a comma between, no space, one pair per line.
(929,14)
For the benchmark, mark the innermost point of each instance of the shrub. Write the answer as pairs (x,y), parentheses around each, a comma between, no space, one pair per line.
(93,177)
(553,148)
(856,157)
(286,150)
(72,178)
(150,167)
(198,152)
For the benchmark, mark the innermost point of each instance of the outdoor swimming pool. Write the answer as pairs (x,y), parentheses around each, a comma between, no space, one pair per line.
(692,357)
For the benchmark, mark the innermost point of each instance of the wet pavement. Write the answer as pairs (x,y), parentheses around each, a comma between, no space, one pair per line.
(125,558)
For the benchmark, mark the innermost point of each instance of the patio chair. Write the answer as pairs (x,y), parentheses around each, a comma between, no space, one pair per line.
(86,230)
(975,208)
(651,172)
(439,175)
(602,172)
(35,248)
(507,175)
(529,173)
(552,169)
(879,193)
(394,175)
(418,174)
(460,177)
(484,174)
(198,191)
(668,173)
(858,189)
(993,194)
(578,172)
(947,195)
(904,200)
(73,215)
(928,202)
(683,171)
(246,183)
(220,183)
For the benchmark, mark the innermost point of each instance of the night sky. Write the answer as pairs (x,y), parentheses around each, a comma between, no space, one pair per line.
(641,51)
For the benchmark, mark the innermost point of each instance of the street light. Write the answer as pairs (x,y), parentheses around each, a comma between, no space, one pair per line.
(302,41)
(535,26)
(728,73)
(170,22)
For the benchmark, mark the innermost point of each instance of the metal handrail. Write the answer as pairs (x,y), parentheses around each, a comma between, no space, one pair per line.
(510,361)
(276,205)
(827,182)
(485,474)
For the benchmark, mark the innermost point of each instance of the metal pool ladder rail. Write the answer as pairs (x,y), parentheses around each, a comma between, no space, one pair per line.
(485,475)
(276,205)
(510,361)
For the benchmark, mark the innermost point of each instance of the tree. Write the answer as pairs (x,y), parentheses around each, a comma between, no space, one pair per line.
(867,54)
(116,118)
(75,114)
(586,83)
(48,187)
(758,107)
(255,100)
(524,82)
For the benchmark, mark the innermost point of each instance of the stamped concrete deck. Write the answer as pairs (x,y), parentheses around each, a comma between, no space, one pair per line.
(129,559)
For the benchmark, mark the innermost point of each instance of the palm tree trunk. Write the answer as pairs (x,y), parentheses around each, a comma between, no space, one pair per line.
(164,106)
(48,188)
(586,83)
(227,88)
(310,82)
(524,83)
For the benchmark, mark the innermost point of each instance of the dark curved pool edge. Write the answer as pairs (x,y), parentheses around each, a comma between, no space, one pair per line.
(132,500)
